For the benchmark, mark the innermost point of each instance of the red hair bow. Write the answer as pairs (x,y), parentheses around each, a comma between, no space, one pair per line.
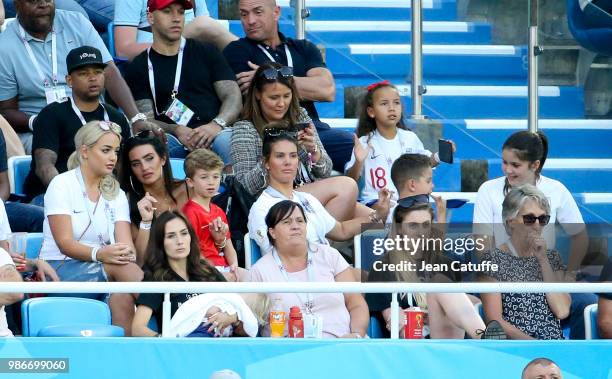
(373,86)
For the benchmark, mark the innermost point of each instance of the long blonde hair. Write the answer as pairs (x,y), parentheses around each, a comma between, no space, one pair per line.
(88,136)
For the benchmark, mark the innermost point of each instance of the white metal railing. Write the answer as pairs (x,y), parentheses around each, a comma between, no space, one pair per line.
(298,287)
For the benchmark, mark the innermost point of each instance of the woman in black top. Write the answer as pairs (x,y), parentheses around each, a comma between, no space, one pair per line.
(450,315)
(173,255)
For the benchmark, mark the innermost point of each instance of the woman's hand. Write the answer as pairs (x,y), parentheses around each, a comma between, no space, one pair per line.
(221,320)
(218,230)
(146,207)
(45,270)
(538,248)
(118,254)
(361,153)
(21,263)
(306,138)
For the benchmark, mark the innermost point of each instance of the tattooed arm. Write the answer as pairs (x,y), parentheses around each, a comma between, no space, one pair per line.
(231,100)
(45,165)
(8,273)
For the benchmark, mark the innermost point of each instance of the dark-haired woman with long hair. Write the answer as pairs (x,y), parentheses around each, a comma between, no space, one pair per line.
(273,99)
(173,255)
(523,156)
(146,176)
(295,259)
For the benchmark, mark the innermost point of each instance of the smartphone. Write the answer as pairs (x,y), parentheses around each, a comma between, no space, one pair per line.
(302,125)
(445,151)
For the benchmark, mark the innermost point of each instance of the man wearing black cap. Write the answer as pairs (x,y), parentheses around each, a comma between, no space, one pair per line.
(186,85)
(57,123)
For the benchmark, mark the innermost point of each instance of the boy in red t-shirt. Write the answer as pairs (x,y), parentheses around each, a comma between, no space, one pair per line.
(203,171)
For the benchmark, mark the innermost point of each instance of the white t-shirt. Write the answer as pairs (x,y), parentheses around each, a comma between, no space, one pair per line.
(377,166)
(5,227)
(65,197)
(488,210)
(326,264)
(319,221)
(5,259)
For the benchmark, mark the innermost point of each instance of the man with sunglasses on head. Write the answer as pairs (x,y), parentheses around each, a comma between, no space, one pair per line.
(33,70)
(58,123)
(264,43)
(186,85)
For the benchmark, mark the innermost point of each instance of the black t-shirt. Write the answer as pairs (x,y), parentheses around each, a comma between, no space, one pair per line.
(156,300)
(203,65)
(305,55)
(55,128)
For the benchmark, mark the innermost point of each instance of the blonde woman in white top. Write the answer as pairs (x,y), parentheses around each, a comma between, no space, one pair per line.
(87,226)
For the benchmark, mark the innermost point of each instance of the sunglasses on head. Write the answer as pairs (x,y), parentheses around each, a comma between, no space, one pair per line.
(531,219)
(108,126)
(277,132)
(274,73)
(408,202)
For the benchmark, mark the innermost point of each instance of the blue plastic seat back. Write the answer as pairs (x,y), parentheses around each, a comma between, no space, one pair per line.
(20,170)
(41,312)
(178,170)
(375,329)
(33,244)
(255,252)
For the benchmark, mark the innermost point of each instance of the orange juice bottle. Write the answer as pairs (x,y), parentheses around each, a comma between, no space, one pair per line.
(278,319)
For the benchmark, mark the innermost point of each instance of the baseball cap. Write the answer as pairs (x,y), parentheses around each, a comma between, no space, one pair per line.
(83,56)
(155,5)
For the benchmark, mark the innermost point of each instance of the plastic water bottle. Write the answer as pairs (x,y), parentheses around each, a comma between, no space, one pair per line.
(278,319)
(296,323)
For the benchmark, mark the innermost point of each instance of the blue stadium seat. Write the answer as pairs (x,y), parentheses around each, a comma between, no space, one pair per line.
(364,242)
(178,171)
(480,311)
(111,38)
(375,329)
(252,252)
(591,32)
(18,169)
(81,330)
(590,322)
(41,312)
(33,244)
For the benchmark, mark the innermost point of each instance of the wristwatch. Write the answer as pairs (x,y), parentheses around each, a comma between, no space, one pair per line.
(221,122)
(138,117)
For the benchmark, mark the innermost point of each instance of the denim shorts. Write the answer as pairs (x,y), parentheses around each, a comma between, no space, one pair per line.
(74,270)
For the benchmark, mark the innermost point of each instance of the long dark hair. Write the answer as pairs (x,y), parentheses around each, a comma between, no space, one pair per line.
(157,267)
(130,184)
(367,124)
(528,146)
(252,107)
(279,212)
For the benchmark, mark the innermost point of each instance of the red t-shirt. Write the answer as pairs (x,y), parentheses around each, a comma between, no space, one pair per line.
(199,219)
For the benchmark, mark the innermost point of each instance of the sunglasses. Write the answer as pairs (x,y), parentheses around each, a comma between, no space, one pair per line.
(272,74)
(531,219)
(408,202)
(277,132)
(108,126)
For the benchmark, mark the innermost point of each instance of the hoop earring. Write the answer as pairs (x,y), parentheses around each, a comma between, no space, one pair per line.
(132,185)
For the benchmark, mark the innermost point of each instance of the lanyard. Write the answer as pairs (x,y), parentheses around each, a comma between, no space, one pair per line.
(308,209)
(177,74)
(309,303)
(287,52)
(46,83)
(80,115)
(110,221)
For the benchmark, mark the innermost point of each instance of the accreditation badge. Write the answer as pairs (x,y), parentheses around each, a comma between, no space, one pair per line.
(55,94)
(179,112)
(313,326)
